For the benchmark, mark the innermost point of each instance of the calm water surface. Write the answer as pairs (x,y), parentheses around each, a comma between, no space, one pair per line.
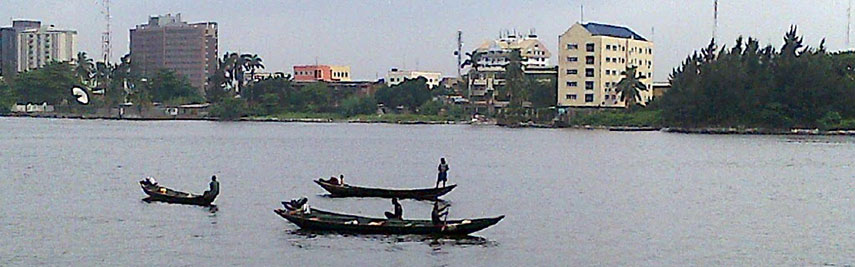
(69,195)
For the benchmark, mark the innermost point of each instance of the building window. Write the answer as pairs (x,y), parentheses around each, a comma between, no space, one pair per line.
(572,59)
(572,71)
(589,60)
(589,47)
(570,96)
(589,72)
(589,85)
(608,47)
(572,46)
(589,98)
(571,84)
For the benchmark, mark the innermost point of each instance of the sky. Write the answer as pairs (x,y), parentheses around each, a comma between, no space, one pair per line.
(375,36)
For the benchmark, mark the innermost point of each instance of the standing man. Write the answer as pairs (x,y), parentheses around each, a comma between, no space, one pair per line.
(443,173)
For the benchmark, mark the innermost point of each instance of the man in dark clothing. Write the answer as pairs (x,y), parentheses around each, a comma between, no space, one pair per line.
(399,211)
(443,173)
(215,188)
(437,213)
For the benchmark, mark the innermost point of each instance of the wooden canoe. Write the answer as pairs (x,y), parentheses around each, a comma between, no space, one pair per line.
(346,190)
(163,194)
(319,220)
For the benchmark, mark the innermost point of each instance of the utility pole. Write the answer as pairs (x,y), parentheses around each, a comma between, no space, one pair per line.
(106,45)
(459,51)
(848,22)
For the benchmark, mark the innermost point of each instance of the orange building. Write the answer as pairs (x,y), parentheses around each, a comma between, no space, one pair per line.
(324,73)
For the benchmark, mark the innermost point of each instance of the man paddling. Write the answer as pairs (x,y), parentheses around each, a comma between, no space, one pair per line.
(443,173)
(437,213)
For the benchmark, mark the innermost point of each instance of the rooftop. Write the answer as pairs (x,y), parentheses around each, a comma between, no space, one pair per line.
(612,30)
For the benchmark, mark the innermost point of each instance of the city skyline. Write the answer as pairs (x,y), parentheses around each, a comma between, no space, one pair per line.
(376,36)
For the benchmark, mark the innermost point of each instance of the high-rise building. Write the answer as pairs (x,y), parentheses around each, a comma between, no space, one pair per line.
(591,60)
(28,45)
(166,42)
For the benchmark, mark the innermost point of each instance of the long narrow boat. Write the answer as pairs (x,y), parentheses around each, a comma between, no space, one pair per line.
(163,194)
(346,190)
(320,220)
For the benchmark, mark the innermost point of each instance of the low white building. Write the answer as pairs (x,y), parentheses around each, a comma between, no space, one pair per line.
(395,76)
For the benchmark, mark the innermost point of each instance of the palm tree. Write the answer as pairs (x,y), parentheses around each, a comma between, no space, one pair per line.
(473,62)
(253,62)
(102,73)
(83,68)
(630,87)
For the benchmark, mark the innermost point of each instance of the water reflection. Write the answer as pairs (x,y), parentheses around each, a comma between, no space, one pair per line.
(435,242)
(212,208)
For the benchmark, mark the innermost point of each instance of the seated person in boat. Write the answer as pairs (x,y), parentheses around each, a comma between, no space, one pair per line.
(341,179)
(399,211)
(215,188)
(437,213)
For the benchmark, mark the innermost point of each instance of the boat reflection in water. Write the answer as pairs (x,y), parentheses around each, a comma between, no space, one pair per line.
(435,242)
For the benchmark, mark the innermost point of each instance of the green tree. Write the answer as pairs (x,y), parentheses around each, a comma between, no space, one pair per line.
(516,84)
(750,85)
(50,84)
(357,105)
(166,85)
(630,87)
(229,108)
(7,98)
(410,94)
(83,68)
(314,97)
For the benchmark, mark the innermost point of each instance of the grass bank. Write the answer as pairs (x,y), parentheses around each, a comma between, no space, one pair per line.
(641,118)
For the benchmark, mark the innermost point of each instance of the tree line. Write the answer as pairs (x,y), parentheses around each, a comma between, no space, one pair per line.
(796,86)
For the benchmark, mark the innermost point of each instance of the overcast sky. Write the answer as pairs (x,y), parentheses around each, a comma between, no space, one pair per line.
(374,36)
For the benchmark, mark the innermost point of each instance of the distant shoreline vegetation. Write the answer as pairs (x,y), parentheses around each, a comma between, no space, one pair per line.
(749,86)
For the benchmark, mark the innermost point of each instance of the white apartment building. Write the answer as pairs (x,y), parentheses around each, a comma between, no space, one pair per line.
(29,45)
(487,76)
(396,76)
(591,60)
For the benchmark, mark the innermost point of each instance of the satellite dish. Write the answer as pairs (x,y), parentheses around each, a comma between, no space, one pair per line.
(80,94)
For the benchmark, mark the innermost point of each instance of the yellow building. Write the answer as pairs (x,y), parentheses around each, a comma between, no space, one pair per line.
(340,73)
(591,58)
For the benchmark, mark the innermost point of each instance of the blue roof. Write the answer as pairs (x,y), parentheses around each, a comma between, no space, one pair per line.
(611,30)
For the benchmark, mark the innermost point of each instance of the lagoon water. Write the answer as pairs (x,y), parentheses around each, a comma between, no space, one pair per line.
(69,195)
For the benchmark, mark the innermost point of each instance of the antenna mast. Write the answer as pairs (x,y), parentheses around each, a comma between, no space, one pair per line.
(848,22)
(715,19)
(582,13)
(106,45)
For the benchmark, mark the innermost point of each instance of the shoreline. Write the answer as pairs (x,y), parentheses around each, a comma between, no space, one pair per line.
(677,130)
